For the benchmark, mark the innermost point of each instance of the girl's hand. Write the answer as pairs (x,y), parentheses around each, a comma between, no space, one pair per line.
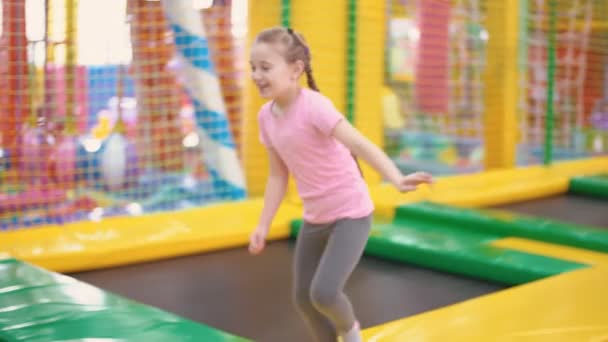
(257,240)
(411,181)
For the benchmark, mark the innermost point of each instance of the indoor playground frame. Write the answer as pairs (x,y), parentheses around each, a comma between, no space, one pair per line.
(559,270)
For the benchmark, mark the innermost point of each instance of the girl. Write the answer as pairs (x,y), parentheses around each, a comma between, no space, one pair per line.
(306,136)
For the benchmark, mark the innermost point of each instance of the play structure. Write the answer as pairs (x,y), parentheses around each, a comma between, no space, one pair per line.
(115,139)
(438,124)
(135,152)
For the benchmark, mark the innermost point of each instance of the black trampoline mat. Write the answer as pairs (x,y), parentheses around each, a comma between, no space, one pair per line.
(251,296)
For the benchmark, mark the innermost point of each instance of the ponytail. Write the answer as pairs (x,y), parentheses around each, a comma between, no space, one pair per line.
(310,79)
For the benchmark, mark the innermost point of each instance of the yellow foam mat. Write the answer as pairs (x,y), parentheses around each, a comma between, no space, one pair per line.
(492,187)
(122,240)
(556,251)
(476,190)
(569,307)
(589,166)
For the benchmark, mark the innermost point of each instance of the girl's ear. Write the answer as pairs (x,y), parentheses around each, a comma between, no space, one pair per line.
(298,69)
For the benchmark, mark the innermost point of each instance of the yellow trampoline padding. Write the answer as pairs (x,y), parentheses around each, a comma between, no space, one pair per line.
(477,190)
(123,240)
(552,250)
(516,187)
(582,167)
(572,308)
(494,187)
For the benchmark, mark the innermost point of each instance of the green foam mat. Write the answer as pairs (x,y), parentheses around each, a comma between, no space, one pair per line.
(504,224)
(467,252)
(592,186)
(37,305)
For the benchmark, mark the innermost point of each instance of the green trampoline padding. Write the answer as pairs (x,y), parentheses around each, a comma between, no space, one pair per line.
(593,186)
(455,246)
(507,224)
(38,305)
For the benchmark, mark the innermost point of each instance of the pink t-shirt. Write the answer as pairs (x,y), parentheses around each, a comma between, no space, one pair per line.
(327,177)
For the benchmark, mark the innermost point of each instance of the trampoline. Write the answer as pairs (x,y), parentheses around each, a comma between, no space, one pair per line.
(250,296)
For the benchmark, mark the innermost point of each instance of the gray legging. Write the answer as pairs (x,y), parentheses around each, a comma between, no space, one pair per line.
(325,256)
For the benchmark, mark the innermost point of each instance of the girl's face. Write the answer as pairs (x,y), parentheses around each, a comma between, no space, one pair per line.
(270,71)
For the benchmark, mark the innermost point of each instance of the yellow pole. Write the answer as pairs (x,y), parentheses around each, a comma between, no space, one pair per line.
(70,66)
(48,97)
(369,80)
(501,84)
(327,39)
(328,49)
(50,47)
(262,14)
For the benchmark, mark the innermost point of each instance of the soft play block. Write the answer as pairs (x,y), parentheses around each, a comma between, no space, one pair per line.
(38,305)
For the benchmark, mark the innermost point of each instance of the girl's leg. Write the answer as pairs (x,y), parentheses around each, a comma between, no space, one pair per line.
(310,245)
(343,252)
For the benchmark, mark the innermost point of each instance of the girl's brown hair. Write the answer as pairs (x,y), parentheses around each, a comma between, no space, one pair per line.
(296,48)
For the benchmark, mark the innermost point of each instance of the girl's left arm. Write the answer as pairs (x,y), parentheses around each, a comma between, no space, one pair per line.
(363,148)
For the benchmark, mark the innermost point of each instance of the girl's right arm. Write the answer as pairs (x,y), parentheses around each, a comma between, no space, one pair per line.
(276,187)
(273,196)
